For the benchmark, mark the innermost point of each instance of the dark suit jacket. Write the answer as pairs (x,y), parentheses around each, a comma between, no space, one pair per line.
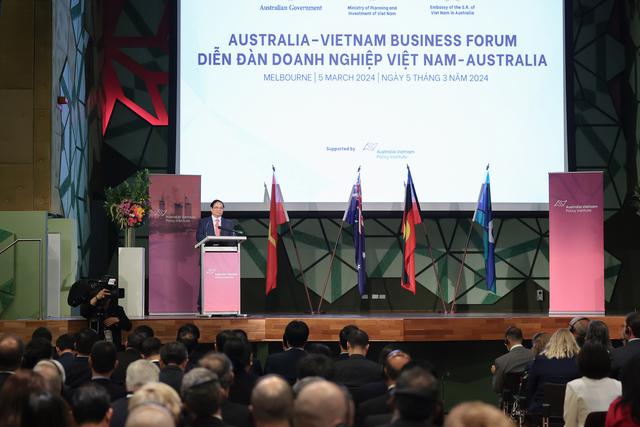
(516,360)
(236,414)
(369,391)
(116,391)
(3,378)
(172,375)
(377,420)
(66,360)
(79,372)
(376,406)
(125,358)
(209,422)
(205,228)
(621,355)
(243,383)
(120,412)
(408,423)
(544,370)
(356,371)
(285,363)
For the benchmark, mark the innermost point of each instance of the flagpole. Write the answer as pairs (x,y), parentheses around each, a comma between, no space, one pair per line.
(464,256)
(435,267)
(333,254)
(304,281)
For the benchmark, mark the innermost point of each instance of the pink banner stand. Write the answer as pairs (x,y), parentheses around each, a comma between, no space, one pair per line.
(576,243)
(220,275)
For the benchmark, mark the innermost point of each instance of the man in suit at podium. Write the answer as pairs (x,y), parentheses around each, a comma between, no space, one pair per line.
(215,225)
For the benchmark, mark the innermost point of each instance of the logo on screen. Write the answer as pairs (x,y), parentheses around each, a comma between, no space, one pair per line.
(560,204)
(370,146)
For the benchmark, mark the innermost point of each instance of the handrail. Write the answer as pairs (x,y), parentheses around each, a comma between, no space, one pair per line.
(39,269)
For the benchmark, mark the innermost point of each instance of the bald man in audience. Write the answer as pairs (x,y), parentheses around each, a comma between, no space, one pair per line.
(11,352)
(150,415)
(322,404)
(272,402)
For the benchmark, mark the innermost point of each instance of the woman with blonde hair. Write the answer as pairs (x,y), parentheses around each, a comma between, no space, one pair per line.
(160,394)
(556,364)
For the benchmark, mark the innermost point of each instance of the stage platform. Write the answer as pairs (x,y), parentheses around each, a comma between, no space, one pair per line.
(406,327)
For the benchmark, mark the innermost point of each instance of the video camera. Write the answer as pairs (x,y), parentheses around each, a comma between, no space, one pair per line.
(85,289)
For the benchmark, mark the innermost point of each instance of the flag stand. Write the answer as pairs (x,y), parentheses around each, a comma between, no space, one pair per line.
(464,256)
(333,254)
(304,281)
(435,267)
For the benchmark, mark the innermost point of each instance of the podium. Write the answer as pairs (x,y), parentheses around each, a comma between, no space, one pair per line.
(220,274)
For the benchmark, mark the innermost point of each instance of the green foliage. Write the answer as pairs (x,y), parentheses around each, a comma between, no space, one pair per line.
(128,204)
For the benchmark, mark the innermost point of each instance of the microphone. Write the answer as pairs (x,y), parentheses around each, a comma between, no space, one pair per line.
(230,230)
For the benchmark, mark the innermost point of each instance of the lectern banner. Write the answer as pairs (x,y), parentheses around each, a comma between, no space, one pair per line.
(576,243)
(174,267)
(221,282)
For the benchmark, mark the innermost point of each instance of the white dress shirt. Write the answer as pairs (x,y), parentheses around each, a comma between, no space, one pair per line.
(586,395)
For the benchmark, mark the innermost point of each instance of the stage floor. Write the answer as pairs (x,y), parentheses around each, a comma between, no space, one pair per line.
(398,327)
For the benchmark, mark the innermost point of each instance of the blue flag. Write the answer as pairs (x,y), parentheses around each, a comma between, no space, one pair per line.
(484,217)
(353,216)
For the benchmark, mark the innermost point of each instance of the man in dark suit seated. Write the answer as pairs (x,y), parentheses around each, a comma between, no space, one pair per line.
(201,394)
(79,372)
(90,405)
(151,350)
(272,402)
(215,225)
(322,403)
(342,341)
(102,362)
(357,369)
(65,351)
(131,353)
(173,360)
(415,398)
(11,352)
(139,373)
(622,355)
(516,360)
(285,363)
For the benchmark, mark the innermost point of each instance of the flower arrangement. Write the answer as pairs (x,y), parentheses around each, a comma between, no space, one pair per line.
(128,204)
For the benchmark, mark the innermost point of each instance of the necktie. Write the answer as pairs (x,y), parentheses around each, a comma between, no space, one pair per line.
(217,226)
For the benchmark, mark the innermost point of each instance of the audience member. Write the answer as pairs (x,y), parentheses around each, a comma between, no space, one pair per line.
(255,365)
(594,391)
(233,413)
(271,402)
(42,332)
(414,398)
(14,397)
(342,341)
(11,352)
(143,330)
(321,403)
(316,365)
(173,361)
(65,351)
(621,355)
(357,369)
(91,406)
(238,350)
(46,409)
(477,414)
(139,373)
(36,350)
(150,415)
(151,350)
(222,337)
(79,372)
(102,362)
(516,359)
(53,373)
(625,410)
(539,342)
(598,332)
(201,395)
(318,348)
(160,394)
(131,353)
(578,327)
(285,363)
(556,364)
(376,388)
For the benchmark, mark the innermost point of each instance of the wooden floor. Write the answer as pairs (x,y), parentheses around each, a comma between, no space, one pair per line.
(391,327)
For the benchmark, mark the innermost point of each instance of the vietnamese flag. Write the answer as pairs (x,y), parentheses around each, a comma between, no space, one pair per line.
(410,217)
(277,216)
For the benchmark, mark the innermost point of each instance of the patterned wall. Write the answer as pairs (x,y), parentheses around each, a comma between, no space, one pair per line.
(605,37)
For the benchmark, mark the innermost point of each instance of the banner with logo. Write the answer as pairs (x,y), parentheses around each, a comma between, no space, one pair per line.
(576,243)
(174,266)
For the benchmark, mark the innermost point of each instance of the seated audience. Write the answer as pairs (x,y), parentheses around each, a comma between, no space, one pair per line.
(151,350)
(415,398)
(131,353)
(189,334)
(285,363)
(477,414)
(79,372)
(143,330)
(36,350)
(173,361)
(14,397)
(271,402)
(102,362)
(150,415)
(45,409)
(53,374)
(357,370)
(318,348)
(538,343)
(316,365)
(65,351)
(625,410)
(91,406)
(621,355)
(598,332)
(201,395)
(139,373)
(11,352)
(516,359)
(342,341)
(239,351)
(159,394)
(556,364)
(594,391)
(578,328)
(321,403)
(233,413)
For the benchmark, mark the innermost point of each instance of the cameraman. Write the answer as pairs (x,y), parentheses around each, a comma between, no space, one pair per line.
(106,317)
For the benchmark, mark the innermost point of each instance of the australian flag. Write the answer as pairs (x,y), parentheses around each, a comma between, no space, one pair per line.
(484,216)
(353,216)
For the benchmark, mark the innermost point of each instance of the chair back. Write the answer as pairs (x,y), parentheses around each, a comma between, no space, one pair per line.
(553,395)
(595,419)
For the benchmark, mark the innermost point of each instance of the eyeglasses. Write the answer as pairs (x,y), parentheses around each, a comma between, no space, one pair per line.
(218,207)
